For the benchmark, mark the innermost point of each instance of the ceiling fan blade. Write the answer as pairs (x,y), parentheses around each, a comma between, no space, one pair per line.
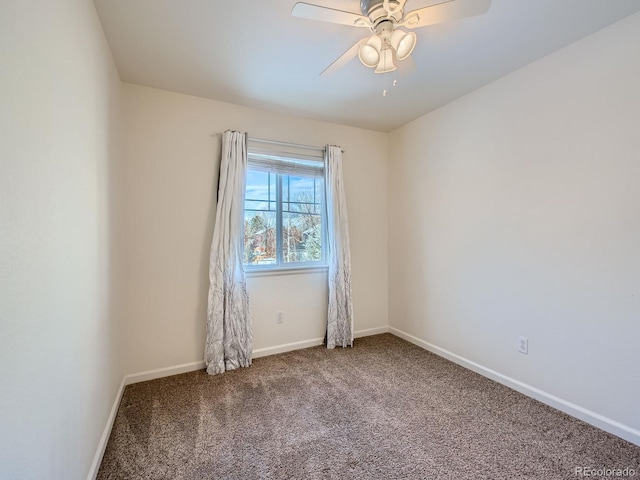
(325,14)
(345,58)
(445,12)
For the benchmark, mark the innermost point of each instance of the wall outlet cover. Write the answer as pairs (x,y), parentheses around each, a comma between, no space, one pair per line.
(523,345)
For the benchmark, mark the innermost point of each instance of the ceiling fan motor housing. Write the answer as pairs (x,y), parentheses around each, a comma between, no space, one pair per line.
(374,9)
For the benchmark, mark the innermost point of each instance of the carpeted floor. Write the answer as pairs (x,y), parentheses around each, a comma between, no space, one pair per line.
(384,409)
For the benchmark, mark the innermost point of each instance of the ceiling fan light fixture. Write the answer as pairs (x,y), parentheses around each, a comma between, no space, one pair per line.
(387,62)
(369,53)
(403,43)
(369,56)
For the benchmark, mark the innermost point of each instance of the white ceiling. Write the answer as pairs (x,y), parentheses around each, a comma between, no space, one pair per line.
(254,53)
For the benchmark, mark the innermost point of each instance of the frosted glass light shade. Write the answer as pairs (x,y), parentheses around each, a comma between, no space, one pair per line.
(369,53)
(387,62)
(403,43)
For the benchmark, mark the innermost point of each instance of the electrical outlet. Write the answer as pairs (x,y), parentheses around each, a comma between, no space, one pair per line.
(279,317)
(523,345)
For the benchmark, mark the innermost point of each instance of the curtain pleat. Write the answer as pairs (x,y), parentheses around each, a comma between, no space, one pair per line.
(340,309)
(229,335)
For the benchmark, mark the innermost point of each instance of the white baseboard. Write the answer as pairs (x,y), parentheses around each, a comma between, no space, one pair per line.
(287,347)
(600,421)
(260,352)
(163,372)
(102,444)
(371,331)
(314,342)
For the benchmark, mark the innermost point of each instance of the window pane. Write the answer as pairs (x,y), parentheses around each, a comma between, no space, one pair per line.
(272,187)
(260,219)
(258,185)
(259,238)
(301,219)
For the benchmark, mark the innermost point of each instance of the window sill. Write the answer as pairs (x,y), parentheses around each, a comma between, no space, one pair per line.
(268,272)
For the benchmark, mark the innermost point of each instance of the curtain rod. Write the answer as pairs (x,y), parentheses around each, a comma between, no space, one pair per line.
(285,144)
(276,142)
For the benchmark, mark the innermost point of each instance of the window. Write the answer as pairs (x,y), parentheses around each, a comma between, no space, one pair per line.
(284,211)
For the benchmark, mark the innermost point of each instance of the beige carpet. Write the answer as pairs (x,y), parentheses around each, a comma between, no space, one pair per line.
(385,409)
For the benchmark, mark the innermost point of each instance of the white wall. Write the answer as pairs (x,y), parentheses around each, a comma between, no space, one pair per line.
(59,347)
(170,190)
(516,211)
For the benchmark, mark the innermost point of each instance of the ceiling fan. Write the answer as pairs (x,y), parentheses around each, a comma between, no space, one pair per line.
(388,43)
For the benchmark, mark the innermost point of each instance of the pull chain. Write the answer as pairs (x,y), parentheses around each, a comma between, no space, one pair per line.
(384,77)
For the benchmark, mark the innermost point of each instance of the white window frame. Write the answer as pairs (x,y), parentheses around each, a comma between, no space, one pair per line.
(280,162)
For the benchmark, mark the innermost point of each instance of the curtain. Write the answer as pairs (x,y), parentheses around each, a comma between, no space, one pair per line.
(229,337)
(340,311)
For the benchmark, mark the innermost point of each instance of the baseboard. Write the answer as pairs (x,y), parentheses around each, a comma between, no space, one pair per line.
(163,372)
(102,444)
(314,342)
(260,352)
(371,331)
(287,347)
(600,421)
